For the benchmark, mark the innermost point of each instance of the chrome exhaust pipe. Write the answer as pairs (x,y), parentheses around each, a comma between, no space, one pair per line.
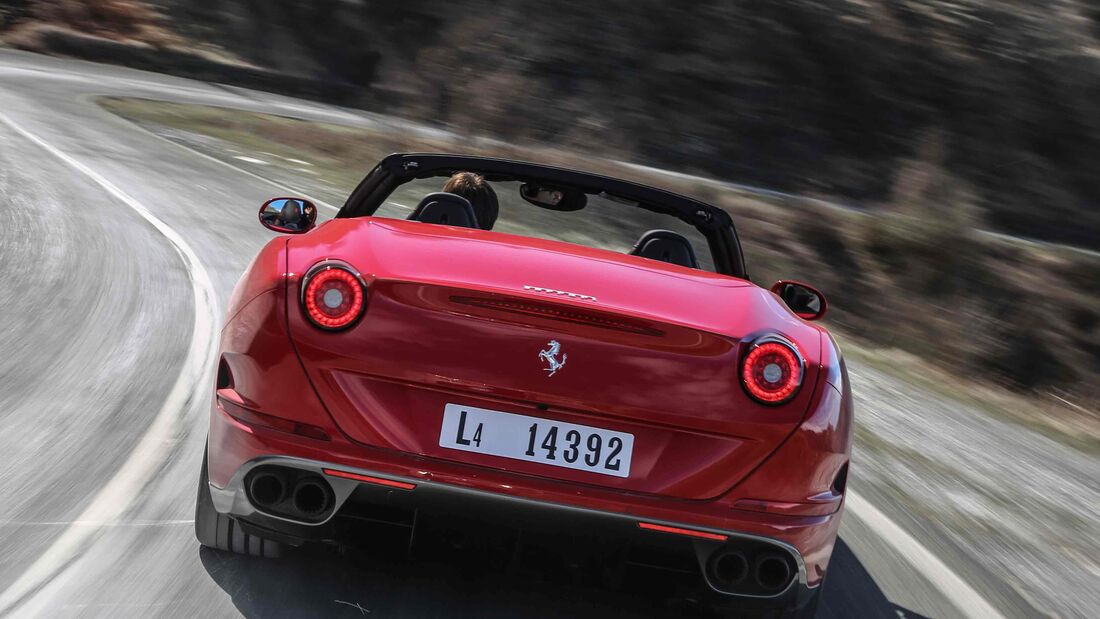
(267,489)
(728,568)
(312,496)
(771,572)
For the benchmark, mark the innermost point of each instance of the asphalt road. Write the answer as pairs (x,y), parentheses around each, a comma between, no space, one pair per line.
(118,251)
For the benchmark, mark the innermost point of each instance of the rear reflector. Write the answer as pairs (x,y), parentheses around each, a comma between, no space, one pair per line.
(823,508)
(253,418)
(378,481)
(649,526)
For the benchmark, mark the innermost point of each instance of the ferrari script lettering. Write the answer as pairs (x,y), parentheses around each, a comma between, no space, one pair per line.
(561,293)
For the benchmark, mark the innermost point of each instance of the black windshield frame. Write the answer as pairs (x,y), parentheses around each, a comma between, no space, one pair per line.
(397,169)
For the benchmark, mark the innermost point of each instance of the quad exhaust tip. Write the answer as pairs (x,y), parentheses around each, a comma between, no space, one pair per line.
(267,489)
(771,572)
(749,570)
(289,493)
(312,496)
(729,568)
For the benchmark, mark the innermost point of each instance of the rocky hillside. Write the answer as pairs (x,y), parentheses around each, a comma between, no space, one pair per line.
(826,97)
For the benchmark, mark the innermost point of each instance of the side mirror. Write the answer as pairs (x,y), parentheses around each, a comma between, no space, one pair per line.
(289,215)
(804,300)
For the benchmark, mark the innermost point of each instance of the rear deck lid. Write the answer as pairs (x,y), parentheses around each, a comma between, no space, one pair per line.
(549,334)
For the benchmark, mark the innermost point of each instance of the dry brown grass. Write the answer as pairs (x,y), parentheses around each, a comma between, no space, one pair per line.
(117,20)
(133,28)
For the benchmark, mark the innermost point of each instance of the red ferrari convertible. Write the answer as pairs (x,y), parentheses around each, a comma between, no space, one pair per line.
(536,347)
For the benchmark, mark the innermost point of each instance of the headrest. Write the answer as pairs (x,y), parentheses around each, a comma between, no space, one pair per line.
(446,209)
(666,246)
(487,209)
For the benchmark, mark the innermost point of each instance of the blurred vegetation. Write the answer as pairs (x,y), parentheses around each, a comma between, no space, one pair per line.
(111,19)
(819,97)
(938,121)
(917,275)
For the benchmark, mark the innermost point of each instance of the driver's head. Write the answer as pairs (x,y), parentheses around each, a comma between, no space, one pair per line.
(292,212)
(476,189)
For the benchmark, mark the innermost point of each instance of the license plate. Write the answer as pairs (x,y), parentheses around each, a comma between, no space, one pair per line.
(534,439)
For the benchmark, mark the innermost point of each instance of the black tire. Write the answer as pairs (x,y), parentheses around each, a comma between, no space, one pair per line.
(218,531)
(809,611)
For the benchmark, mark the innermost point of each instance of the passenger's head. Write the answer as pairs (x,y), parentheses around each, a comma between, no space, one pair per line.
(476,189)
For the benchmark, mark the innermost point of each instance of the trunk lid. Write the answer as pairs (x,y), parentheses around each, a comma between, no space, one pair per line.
(469,317)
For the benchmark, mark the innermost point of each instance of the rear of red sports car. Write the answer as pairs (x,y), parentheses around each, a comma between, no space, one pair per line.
(380,369)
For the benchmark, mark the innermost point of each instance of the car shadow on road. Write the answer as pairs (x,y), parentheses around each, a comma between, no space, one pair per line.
(852,592)
(322,582)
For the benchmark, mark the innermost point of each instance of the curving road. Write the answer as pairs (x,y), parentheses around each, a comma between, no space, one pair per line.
(118,251)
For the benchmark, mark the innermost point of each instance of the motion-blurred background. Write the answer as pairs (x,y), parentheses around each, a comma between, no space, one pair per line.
(929,164)
(949,123)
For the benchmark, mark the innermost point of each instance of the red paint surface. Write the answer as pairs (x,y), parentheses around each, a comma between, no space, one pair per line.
(447,319)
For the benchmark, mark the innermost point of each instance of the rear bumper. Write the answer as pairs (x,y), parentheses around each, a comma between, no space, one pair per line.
(418,494)
(516,500)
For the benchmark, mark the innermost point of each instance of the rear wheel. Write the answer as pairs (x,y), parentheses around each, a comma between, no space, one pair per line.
(808,611)
(219,531)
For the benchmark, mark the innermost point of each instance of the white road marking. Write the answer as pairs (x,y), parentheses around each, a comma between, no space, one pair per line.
(143,462)
(96,523)
(120,605)
(968,601)
(251,160)
(355,605)
(289,190)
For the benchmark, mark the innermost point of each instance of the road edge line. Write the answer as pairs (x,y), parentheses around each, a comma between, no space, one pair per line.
(118,493)
(957,591)
(280,186)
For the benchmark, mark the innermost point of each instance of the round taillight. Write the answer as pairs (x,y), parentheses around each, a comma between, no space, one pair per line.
(334,297)
(772,372)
